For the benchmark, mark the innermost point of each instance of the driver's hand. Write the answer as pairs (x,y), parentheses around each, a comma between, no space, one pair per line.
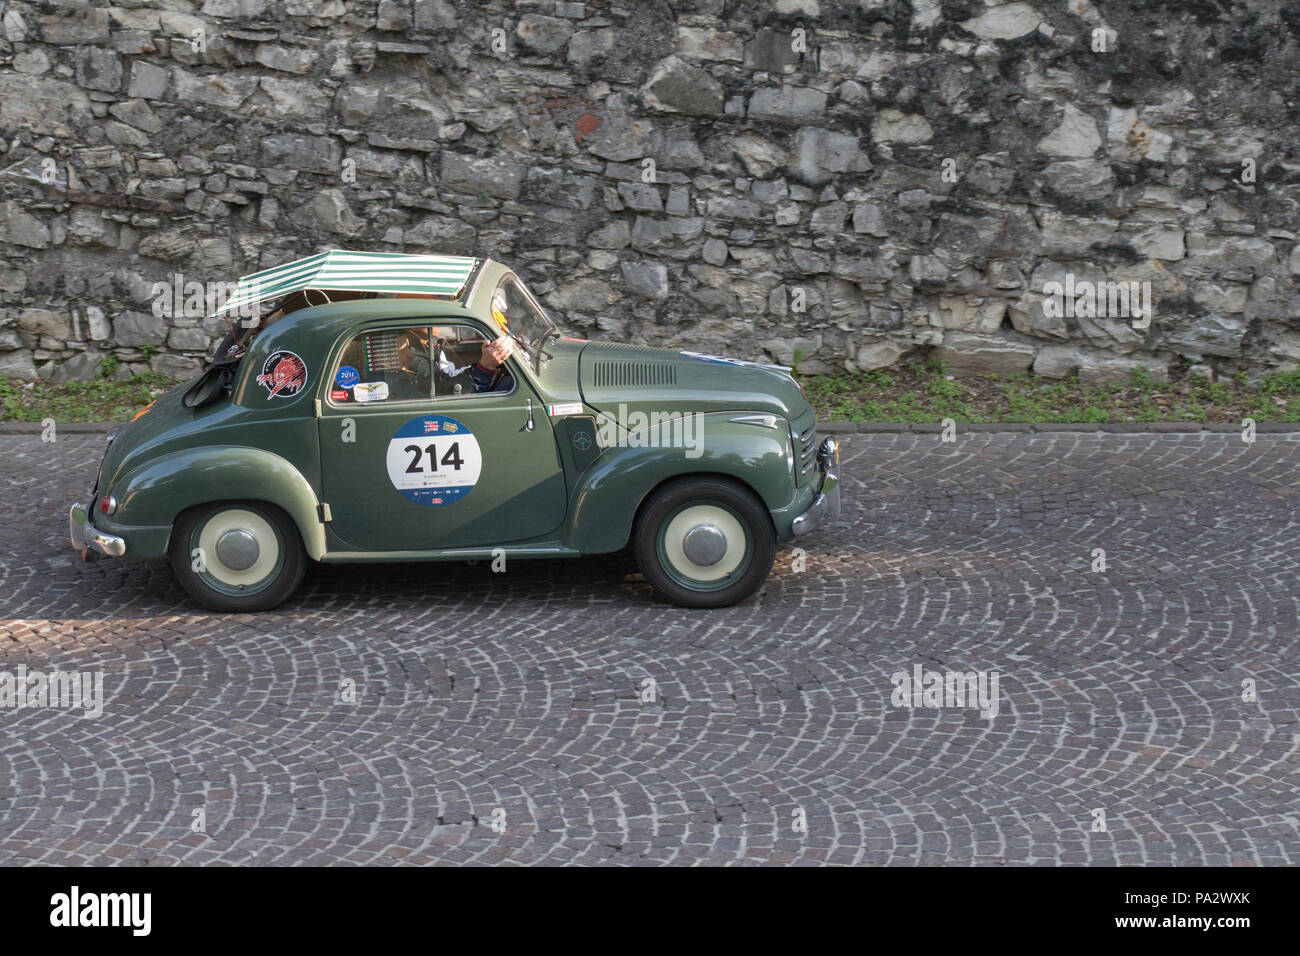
(495,352)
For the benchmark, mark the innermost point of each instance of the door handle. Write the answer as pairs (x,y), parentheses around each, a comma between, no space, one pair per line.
(530,424)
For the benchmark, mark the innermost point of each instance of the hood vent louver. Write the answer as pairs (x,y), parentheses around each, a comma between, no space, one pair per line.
(632,374)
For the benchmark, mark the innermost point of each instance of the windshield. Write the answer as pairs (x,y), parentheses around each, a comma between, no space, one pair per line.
(518,315)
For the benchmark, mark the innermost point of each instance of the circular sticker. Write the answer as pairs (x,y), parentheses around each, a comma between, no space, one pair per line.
(434,460)
(347,377)
(284,374)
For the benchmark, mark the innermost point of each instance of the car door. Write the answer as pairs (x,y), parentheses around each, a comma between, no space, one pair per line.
(406,469)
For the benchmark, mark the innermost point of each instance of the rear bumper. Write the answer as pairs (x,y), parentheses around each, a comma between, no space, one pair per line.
(825,507)
(86,537)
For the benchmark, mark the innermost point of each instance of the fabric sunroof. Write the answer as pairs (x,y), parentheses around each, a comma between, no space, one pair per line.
(358,272)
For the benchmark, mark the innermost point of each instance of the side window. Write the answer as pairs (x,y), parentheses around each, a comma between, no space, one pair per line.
(457,351)
(384,365)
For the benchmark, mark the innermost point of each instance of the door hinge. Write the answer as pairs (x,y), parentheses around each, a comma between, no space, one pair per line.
(318,408)
(324,512)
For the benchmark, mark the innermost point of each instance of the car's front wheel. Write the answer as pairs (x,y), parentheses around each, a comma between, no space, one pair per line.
(704,542)
(237,555)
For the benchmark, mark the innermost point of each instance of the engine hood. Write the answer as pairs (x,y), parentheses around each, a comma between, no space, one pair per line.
(642,378)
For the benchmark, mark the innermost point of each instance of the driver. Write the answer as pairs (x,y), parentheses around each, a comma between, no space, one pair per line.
(491,358)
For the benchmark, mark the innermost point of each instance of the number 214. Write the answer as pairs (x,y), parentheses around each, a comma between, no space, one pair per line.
(452,457)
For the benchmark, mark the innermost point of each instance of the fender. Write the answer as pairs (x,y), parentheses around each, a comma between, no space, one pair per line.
(155,494)
(604,504)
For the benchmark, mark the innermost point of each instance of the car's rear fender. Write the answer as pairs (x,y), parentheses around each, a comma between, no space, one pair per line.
(152,496)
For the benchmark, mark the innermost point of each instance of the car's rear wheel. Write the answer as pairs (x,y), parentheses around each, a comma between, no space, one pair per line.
(237,555)
(704,542)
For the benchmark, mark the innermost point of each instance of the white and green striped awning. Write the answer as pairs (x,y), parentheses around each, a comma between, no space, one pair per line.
(355,272)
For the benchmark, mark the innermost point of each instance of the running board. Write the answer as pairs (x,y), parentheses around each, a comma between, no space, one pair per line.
(547,550)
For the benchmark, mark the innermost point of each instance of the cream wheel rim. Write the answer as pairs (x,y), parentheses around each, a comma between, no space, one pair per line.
(698,518)
(253,525)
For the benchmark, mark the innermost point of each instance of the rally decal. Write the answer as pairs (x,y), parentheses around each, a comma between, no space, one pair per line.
(284,374)
(434,460)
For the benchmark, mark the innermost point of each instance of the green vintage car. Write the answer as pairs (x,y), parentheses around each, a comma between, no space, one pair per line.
(384,407)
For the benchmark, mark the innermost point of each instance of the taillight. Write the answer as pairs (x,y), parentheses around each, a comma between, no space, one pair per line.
(107,504)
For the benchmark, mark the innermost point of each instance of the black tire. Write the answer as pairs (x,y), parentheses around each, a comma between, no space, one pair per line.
(268,580)
(723,514)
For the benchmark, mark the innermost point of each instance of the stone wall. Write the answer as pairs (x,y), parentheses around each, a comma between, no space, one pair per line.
(846,183)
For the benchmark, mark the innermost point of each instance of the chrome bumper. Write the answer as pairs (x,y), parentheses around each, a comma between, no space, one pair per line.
(826,505)
(85,536)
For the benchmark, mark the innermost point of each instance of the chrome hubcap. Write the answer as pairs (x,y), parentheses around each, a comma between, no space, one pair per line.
(705,545)
(237,549)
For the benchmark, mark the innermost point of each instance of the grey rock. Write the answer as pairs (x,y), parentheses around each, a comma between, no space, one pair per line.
(787,104)
(870,219)
(330,212)
(759,155)
(894,126)
(221,90)
(319,154)
(75,23)
(676,238)
(287,59)
(640,197)
(982,354)
(1208,335)
(614,235)
(677,87)
(1075,136)
(1057,361)
(189,340)
(545,35)
(829,219)
(139,328)
(620,138)
(21,228)
(554,186)
(1006,22)
(97,324)
(99,70)
(441,234)
(587,46)
(1080,178)
(79,368)
(235,9)
(147,81)
(771,50)
(88,227)
(18,365)
(648,279)
(485,175)
(55,325)
(821,155)
(43,104)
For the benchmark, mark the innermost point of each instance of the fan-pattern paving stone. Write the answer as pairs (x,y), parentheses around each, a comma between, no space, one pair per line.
(521,692)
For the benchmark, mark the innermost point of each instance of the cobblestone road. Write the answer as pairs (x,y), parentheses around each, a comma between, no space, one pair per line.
(1120,691)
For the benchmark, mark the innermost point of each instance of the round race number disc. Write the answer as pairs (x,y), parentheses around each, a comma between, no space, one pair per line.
(434,460)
